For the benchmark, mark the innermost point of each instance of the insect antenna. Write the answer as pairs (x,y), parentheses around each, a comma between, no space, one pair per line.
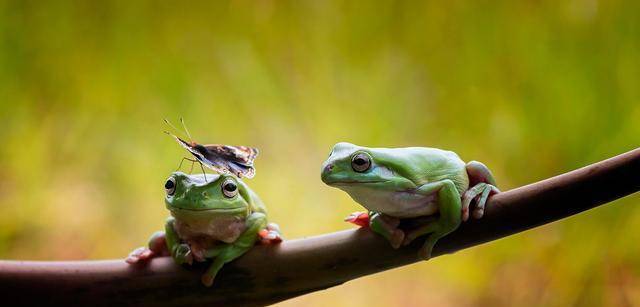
(188,146)
(185,129)
(176,130)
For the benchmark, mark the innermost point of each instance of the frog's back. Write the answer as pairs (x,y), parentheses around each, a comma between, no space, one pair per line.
(425,164)
(254,200)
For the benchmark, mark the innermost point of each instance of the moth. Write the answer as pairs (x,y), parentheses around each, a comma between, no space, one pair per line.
(237,160)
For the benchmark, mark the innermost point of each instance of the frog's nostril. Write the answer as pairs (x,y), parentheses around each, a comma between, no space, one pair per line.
(328,168)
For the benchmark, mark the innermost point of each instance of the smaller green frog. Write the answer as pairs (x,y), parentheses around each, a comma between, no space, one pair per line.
(409,183)
(218,217)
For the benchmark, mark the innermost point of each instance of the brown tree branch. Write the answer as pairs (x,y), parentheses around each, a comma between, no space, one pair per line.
(269,274)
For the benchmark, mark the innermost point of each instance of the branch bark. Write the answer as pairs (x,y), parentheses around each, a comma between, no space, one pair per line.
(269,274)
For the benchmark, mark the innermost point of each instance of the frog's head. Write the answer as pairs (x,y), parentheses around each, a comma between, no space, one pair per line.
(350,165)
(191,196)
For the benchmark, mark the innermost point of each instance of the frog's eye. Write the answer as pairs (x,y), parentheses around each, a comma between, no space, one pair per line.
(170,186)
(360,162)
(229,188)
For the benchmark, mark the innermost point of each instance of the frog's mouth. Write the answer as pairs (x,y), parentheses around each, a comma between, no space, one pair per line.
(352,182)
(208,209)
(206,213)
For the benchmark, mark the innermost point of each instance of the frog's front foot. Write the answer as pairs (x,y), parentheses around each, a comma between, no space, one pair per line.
(358,218)
(157,247)
(139,255)
(183,254)
(270,235)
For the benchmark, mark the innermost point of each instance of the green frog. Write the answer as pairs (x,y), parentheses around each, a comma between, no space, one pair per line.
(406,183)
(216,217)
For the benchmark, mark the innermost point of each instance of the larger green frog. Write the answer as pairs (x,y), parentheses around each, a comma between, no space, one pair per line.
(215,217)
(400,183)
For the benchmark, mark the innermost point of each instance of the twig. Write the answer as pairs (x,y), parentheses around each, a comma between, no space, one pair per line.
(269,274)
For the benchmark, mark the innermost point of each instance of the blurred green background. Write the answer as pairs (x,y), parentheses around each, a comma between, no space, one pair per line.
(531,88)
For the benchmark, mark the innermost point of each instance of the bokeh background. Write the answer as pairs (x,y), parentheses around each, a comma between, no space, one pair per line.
(531,88)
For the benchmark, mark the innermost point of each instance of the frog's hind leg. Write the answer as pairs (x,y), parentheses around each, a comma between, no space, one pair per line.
(228,252)
(482,185)
(449,206)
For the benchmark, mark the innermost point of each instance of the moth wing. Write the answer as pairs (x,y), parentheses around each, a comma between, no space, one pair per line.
(239,154)
(249,172)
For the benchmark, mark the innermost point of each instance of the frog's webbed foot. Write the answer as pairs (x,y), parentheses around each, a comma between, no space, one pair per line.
(271,234)
(482,185)
(480,192)
(157,247)
(358,218)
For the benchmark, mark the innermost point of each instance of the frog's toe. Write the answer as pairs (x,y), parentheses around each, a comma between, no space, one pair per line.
(424,253)
(183,254)
(481,200)
(409,237)
(276,237)
(467,197)
(478,213)
(207,280)
(465,212)
(158,243)
(480,193)
(269,236)
(426,250)
(397,238)
(138,255)
(199,254)
(273,226)
(359,218)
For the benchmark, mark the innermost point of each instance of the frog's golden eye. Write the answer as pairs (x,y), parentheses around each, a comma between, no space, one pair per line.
(360,162)
(229,188)
(170,186)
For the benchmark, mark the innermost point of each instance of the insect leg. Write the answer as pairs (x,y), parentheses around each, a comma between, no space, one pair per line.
(203,172)
(180,165)
(183,158)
